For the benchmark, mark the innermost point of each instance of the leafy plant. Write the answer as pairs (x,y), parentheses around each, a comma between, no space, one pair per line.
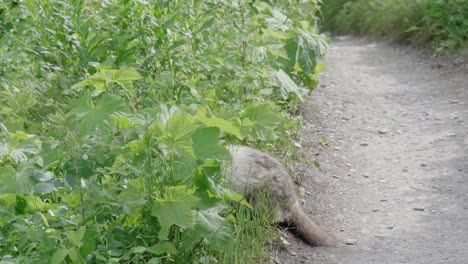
(113,117)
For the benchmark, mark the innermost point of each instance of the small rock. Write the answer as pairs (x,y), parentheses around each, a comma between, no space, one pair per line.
(347,164)
(419,209)
(293,253)
(454,102)
(335,176)
(352,170)
(383,200)
(375,210)
(308,193)
(351,241)
(364,144)
(383,180)
(423,164)
(284,241)
(390,227)
(382,131)
(404,170)
(381,235)
(337,148)
(433,211)
(365,175)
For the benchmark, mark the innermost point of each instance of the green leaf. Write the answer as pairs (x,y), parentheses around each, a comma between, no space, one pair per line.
(265,118)
(174,209)
(138,250)
(104,78)
(220,123)
(77,236)
(287,85)
(43,176)
(211,227)
(21,204)
(88,119)
(206,146)
(44,187)
(324,140)
(177,134)
(163,248)
(59,256)
(7,180)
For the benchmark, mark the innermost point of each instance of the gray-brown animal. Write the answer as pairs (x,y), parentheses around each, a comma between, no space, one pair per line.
(253,171)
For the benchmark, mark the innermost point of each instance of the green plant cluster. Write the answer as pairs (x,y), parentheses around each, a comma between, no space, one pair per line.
(114,116)
(443,24)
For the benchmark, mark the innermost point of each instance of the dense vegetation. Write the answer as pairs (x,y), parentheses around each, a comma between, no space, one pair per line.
(443,24)
(113,117)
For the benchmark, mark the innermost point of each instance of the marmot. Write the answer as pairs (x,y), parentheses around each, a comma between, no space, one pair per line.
(253,171)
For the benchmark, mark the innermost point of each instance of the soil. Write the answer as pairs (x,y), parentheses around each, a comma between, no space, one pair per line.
(393,179)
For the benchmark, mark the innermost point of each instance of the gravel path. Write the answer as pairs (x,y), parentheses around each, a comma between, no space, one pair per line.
(393,178)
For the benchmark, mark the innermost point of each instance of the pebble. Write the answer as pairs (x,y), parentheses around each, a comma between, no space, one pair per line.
(365,175)
(351,241)
(419,209)
(381,235)
(293,253)
(335,176)
(364,144)
(383,131)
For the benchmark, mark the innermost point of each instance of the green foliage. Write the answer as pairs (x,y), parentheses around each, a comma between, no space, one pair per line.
(443,23)
(113,117)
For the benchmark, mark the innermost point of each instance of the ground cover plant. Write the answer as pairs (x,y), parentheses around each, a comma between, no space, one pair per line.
(441,24)
(113,116)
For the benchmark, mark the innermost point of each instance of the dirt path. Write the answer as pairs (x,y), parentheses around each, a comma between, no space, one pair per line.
(393,183)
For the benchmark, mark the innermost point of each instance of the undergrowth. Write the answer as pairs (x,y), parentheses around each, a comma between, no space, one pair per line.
(441,24)
(113,120)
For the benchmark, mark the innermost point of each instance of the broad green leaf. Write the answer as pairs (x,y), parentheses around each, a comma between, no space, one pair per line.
(21,204)
(43,176)
(59,256)
(175,208)
(44,187)
(138,249)
(7,180)
(77,236)
(177,134)
(206,146)
(163,248)
(287,85)
(265,118)
(184,166)
(88,119)
(104,78)
(211,227)
(220,123)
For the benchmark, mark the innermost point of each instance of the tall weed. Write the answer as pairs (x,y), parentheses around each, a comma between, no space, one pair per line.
(113,116)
